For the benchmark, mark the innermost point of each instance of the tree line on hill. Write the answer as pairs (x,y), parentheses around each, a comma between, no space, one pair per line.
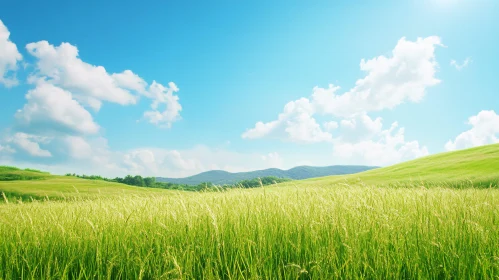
(151,182)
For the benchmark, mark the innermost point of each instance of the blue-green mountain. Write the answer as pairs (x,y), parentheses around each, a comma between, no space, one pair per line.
(220,177)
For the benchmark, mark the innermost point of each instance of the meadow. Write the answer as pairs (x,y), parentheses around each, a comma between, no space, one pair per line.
(432,218)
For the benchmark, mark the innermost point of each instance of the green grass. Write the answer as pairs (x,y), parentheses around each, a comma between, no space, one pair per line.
(10,173)
(41,185)
(312,233)
(393,223)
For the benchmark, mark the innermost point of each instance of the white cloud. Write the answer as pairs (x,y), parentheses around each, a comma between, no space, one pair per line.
(6,149)
(78,147)
(330,126)
(89,84)
(261,129)
(30,144)
(9,57)
(93,154)
(295,124)
(388,147)
(129,80)
(485,130)
(64,84)
(53,108)
(359,127)
(273,159)
(163,95)
(389,82)
(461,66)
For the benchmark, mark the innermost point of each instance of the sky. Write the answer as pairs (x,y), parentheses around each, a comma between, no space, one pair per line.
(174,88)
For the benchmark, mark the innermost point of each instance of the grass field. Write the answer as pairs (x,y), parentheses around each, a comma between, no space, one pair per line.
(433,218)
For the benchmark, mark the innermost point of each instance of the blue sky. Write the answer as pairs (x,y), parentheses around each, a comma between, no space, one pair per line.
(173,89)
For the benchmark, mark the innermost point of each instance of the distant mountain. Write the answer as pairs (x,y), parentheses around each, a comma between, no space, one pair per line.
(219,177)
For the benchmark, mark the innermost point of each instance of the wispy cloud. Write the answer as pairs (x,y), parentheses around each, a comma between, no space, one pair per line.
(461,66)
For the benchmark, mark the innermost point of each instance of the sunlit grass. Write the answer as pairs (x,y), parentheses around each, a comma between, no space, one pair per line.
(344,232)
(432,218)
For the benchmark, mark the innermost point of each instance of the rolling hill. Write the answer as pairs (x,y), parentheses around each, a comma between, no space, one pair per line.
(220,177)
(478,167)
(19,183)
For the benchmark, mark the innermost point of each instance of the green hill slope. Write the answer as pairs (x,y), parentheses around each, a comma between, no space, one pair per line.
(16,183)
(477,167)
(10,173)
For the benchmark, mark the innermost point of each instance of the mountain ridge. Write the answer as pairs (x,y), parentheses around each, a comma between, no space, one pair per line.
(221,177)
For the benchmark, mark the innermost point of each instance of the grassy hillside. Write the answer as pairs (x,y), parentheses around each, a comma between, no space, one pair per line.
(220,177)
(10,173)
(24,184)
(478,167)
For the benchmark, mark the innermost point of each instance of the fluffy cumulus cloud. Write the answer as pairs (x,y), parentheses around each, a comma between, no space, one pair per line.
(484,130)
(390,81)
(163,96)
(53,108)
(129,80)
(385,148)
(9,58)
(67,91)
(31,144)
(90,84)
(61,72)
(359,127)
(295,123)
